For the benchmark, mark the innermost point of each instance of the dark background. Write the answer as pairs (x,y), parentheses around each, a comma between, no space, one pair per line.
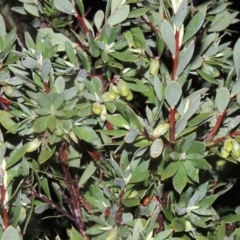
(94,5)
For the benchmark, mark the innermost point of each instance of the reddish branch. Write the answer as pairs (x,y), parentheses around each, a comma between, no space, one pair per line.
(222,139)
(175,57)
(81,22)
(53,204)
(174,78)
(118,214)
(215,129)
(4,207)
(46,86)
(172,124)
(75,198)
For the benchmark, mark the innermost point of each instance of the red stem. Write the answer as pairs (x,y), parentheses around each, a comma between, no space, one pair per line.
(4,209)
(175,57)
(215,129)
(81,22)
(172,124)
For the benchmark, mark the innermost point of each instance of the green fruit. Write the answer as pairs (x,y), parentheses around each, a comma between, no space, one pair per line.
(97,108)
(108,96)
(129,96)
(228,145)
(154,66)
(224,153)
(22,215)
(34,145)
(123,88)
(160,130)
(58,132)
(236,149)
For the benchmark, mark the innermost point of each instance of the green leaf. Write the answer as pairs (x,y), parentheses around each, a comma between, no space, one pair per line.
(98,19)
(40,124)
(178,224)
(192,172)
(45,154)
(52,123)
(170,170)
(119,15)
(194,25)
(46,68)
(10,39)
(186,58)
(30,63)
(140,173)
(167,34)
(158,88)
(60,84)
(118,121)
(156,148)
(74,234)
(231,218)
(173,93)
(115,4)
(86,133)
(11,233)
(163,235)
(31,8)
(45,187)
(129,114)
(64,6)
(138,12)
(81,10)
(180,126)
(2,28)
(181,14)
(222,99)
(130,202)
(42,207)
(207,77)
(198,119)
(132,135)
(196,220)
(70,93)
(221,22)
(192,109)
(6,121)
(88,172)
(17,153)
(71,53)
(236,57)
(138,37)
(180,179)
(125,57)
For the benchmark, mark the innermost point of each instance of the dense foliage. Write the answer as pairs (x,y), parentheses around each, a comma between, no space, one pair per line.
(121,124)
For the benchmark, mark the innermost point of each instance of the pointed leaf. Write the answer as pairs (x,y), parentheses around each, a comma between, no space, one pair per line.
(186,58)
(222,99)
(180,179)
(168,36)
(236,57)
(88,172)
(194,25)
(64,6)
(119,15)
(181,14)
(45,154)
(98,19)
(10,233)
(173,93)
(156,148)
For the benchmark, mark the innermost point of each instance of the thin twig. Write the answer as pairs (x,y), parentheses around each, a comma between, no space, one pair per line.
(215,129)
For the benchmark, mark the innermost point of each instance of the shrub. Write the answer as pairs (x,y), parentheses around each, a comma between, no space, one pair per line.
(124,125)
